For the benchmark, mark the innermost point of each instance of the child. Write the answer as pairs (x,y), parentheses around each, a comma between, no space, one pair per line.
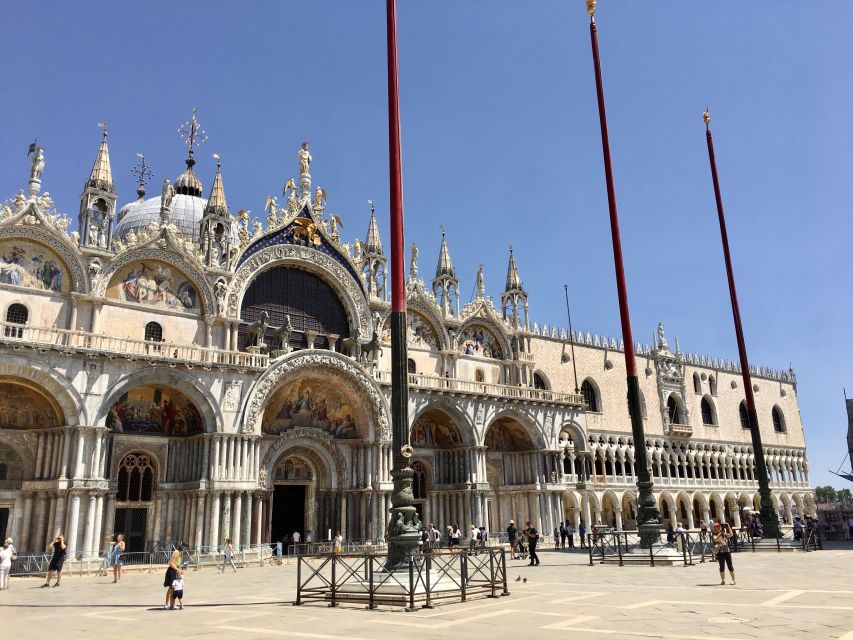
(178,590)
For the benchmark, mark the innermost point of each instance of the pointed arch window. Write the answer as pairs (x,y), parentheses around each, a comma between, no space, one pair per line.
(744,415)
(539,382)
(712,384)
(697,384)
(778,420)
(673,408)
(590,397)
(135,478)
(707,412)
(419,484)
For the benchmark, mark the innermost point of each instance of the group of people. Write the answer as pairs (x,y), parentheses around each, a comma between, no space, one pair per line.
(431,538)
(565,532)
(515,538)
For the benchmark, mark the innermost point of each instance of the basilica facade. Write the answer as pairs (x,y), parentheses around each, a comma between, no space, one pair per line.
(173,371)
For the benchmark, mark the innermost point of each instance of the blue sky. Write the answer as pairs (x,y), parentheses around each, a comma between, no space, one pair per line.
(500,144)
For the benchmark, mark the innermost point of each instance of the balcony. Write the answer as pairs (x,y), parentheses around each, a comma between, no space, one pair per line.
(468,387)
(680,430)
(19,336)
(522,356)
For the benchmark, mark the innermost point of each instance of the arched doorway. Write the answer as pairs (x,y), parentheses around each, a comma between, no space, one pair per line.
(137,476)
(293,487)
(511,454)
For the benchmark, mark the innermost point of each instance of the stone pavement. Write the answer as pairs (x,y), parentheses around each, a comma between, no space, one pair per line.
(788,595)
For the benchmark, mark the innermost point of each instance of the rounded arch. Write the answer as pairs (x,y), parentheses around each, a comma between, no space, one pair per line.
(427,311)
(349,291)
(492,326)
(325,364)
(541,380)
(191,386)
(572,431)
(708,411)
(779,424)
(536,436)
(456,432)
(62,395)
(507,434)
(321,450)
(130,257)
(61,246)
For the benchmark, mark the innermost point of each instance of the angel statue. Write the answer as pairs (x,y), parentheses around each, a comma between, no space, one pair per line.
(413,263)
(334,222)
(304,159)
(272,212)
(320,198)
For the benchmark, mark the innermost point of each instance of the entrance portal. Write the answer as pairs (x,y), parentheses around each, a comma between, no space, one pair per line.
(4,521)
(131,522)
(288,511)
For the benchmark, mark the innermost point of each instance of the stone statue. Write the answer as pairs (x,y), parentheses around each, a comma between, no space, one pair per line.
(282,336)
(304,159)
(255,331)
(661,339)
(94,268)
(219,290)
(413,263)
(272,212)
(167,194)
(481,284)
(37,165)
(262,478)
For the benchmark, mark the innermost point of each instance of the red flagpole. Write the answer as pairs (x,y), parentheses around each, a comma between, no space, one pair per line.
(648,519)
(769,519)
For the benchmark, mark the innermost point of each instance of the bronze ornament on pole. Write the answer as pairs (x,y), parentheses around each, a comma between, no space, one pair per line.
(648,518)
(769,518)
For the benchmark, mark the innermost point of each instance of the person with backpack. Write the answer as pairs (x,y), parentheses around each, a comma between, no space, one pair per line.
(532,539)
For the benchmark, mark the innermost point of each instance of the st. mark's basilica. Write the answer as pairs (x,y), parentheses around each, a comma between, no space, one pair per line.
(174,371)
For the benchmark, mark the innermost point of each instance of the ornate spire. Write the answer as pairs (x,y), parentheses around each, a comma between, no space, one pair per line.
(188,183)
(513,280)
(216,203)
(374,241)
(101,176)
(445,265)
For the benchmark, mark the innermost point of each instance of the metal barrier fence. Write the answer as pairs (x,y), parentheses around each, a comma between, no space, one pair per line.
(347,546)
(433,577)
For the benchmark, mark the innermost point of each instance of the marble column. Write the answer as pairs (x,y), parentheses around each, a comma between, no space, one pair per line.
(89,531)
(110,515)
(25,543)
(214,520)
(73,523)
(247,519)
(226,516)
(78,462)
(169,517)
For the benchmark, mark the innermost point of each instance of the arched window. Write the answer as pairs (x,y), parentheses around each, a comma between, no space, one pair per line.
(673,408)
(135,478)
(16,314)
(419,485)
(539,382)
(479,376)
(590,396)
(778,420)
(707,412)
(411,366)
(697,383)
(744,415)
(712,384)
(154,332)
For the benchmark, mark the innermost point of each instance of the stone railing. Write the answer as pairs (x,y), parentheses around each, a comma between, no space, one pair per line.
(680,430)
(454,385)
(19,335)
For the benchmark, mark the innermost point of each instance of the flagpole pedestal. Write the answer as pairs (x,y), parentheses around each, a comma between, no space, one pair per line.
(34,186)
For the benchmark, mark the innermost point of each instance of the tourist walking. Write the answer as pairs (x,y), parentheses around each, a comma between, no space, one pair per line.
(570,534)
(177,590)
(722,533)
(511,535)
(172,573)
(56,560)
(7,554)
(228,557)
(532,540)
(556,538)
(582,534)
(116,551)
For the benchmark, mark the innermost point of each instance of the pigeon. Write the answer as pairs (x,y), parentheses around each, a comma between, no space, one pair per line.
(518,579)
(525,580)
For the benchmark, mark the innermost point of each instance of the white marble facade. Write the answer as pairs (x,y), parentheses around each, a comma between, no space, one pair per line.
(181,387)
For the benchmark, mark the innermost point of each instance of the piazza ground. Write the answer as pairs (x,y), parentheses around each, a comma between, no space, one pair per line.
(788,595)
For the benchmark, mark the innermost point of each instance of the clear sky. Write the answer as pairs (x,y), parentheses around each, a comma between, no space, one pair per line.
(500,144)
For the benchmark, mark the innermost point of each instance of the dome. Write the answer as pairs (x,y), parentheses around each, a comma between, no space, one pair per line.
(186,215)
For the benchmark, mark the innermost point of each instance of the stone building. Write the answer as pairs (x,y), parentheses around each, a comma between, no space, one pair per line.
(176,372)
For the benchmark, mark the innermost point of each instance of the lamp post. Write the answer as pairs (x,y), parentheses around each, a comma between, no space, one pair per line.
(769,519)
(648,519)
(403,525)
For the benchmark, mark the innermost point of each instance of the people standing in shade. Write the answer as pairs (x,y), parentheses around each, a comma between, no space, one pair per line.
(57,559)
(116,551)
(7,554)
(172,573)
(532,540)
(570,534)
(721,536)
(512,536)
(228,556)
(582,534)
(296,538)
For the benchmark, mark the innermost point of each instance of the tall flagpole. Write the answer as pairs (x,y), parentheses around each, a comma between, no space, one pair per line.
(648,519)
(403,525)
(769,519)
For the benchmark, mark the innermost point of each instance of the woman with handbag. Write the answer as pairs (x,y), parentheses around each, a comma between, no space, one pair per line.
(722,534)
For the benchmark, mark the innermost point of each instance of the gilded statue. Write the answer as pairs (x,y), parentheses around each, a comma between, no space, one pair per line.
(272,212)
(304,159)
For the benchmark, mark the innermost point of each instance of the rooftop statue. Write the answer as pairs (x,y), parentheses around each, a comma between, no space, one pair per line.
(304,159)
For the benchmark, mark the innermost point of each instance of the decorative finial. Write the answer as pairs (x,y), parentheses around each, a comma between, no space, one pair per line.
(218,157)
(590,9)
(192,133)
(103,127)
(706,116)
(510,248)
(372,210)
(441,226)
(142,172)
